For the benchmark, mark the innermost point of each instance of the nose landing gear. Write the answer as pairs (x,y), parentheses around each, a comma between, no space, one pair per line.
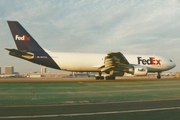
(158,76)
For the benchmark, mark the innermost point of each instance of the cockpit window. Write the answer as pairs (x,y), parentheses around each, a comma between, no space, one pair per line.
(171,61)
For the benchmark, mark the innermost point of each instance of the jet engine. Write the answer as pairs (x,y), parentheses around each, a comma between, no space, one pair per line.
(137,70)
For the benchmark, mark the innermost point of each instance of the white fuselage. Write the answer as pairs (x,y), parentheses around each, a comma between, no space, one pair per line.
(91,62)
(116,63)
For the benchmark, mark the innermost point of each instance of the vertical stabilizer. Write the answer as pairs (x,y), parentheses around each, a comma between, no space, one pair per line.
(24,41)
(28,48)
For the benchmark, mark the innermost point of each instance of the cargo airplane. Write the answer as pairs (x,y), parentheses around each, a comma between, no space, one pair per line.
(112,63)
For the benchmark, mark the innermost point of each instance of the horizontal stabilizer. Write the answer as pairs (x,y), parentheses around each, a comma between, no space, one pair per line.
(26,55)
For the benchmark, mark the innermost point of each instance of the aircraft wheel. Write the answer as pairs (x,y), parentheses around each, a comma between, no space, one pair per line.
(97,77)
(112,77)
(102,77)
(107,77)
(158,77)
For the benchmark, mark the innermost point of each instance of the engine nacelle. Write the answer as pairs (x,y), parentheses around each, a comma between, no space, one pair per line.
(137,70)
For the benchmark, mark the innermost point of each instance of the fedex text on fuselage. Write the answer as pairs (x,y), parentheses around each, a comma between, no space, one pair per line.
(150,61)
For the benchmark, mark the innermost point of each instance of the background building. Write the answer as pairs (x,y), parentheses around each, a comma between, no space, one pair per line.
(9,70)
(43,70)
(0,70)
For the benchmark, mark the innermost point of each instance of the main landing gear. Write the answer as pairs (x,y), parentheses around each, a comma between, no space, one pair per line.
(110,77)
(158,76)
(100,77)
(107,77)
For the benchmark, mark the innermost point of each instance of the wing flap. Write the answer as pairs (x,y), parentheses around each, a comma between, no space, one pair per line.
(118,57)
(114,61)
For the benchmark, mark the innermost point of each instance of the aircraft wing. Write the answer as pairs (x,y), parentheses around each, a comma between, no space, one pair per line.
(114,61)
(27,55)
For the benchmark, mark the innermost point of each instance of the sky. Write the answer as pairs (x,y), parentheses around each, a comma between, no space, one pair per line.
(93,26)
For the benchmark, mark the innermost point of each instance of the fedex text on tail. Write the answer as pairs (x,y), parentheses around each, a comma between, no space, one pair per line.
(24,37)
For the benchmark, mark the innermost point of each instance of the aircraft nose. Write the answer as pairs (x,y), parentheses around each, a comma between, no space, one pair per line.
(170,64)
(173,65)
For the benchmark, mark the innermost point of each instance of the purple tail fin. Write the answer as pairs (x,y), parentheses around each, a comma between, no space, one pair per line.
(24,41)
(28,48)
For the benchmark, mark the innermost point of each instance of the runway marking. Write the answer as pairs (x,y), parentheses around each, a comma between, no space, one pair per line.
(88,92)
(76,103)
(83,114)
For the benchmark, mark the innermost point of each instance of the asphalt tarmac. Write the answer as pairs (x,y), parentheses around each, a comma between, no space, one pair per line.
(129,110)
(83,99)
(83,79)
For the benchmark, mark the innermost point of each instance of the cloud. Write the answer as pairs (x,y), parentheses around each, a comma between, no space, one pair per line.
(145,27)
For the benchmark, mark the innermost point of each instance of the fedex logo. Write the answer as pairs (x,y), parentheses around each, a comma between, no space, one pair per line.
(142,70)
(24,37)
(150,61)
